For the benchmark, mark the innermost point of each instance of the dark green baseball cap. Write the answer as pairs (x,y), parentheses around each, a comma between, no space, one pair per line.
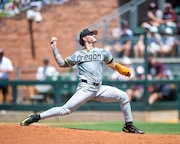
(86,32)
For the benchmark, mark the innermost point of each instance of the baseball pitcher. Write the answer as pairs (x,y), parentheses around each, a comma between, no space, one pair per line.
(89,61)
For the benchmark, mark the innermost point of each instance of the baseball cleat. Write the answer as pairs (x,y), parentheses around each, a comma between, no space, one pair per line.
(130,128)
(30,119)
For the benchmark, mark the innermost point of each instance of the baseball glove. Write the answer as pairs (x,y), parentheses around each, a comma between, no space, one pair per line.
(123,70)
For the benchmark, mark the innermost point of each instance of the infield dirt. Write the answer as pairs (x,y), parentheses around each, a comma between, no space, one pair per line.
(16,134)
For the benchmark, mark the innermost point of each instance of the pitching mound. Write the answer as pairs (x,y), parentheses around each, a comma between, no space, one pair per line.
(33,134)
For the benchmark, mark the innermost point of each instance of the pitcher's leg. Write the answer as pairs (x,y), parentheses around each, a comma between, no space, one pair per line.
(126,109)
(79,98)
(112,94)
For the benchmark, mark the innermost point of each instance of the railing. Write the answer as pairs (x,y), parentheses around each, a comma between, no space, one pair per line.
(58,88)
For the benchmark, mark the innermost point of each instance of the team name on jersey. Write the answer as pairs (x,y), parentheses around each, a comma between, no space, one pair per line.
(89,57)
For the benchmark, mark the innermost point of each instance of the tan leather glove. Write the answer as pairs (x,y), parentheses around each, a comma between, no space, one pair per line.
(123,70)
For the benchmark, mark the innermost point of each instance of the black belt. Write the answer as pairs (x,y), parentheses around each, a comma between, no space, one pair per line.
(95,84)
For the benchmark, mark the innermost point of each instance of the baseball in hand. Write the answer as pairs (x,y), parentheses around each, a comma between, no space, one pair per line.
(53,39)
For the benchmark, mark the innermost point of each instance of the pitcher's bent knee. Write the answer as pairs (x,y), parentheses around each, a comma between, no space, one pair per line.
(124,98)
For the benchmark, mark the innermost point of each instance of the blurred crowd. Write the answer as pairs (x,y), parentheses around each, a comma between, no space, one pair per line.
(14,7)
(156,71)
(162,27)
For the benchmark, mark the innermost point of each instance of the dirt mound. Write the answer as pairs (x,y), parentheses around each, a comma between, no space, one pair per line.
(13,133)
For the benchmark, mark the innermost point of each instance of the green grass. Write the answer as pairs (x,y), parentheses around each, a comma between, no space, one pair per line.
(148,127)
(2,14)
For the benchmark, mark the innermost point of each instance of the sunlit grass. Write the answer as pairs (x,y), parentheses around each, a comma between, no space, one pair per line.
(148,127)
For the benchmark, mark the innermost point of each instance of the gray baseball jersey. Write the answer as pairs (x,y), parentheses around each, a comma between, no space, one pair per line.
(90,63)
(90,86)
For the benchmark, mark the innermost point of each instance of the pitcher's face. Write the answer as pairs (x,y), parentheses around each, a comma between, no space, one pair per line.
(91,38)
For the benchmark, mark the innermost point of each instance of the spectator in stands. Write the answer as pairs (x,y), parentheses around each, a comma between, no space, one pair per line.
(121,39)
(153,43)
(126,61)
(154,40)
(6,67)
(139,47)
(170,16)
(2,4)
(25,3)
(154,16)
(136,91)
(38,4)
(45,72)
(163,91)
(12,8)
(34,11)
(169,43)
(15,7)
(155,67)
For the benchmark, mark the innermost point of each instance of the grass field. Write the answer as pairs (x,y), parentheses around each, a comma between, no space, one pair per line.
(148,127)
